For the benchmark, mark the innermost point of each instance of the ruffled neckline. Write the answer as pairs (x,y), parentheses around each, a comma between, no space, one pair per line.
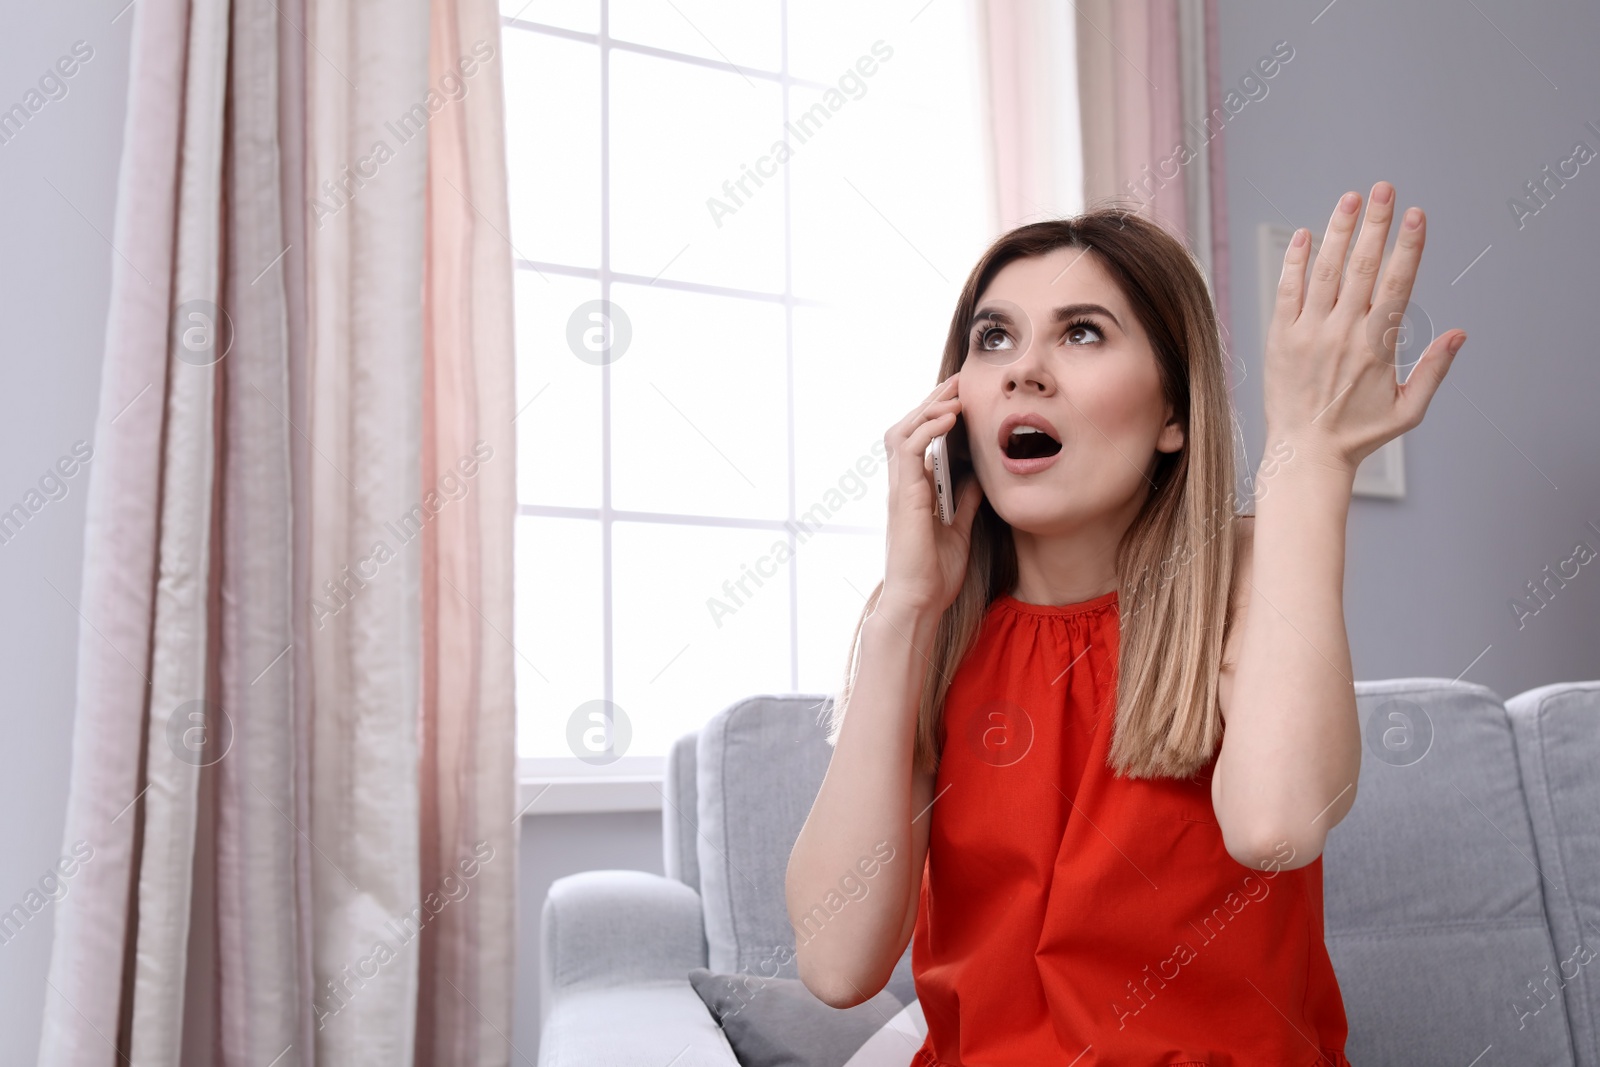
(1102,602)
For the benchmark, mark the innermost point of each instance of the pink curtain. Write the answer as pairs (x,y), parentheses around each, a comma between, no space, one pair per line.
(1152,121)
(1148,109)
(1031,109)
(468,713)
(1019,110)
(293,744)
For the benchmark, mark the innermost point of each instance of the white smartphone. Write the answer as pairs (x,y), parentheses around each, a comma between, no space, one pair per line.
(944,498)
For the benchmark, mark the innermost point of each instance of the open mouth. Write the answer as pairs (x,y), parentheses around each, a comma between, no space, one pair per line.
(1030,442)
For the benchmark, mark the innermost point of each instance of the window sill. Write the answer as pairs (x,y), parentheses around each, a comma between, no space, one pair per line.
(558,795)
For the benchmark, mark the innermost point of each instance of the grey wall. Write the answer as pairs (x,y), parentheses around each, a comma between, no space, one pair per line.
(55,277)
(1502,475)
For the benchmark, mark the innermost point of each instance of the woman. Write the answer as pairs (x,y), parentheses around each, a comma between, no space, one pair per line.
(1103,722)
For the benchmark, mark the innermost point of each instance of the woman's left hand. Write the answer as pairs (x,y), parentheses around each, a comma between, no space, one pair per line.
(1329,374)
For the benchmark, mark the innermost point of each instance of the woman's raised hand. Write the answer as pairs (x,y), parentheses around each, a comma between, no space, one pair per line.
(926,560)
(1329,377)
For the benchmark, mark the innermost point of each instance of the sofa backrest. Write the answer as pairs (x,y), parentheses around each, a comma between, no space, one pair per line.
(749,776)
(1456,912)
(759,765)
(1557,728)
(679,819)
(1433,904)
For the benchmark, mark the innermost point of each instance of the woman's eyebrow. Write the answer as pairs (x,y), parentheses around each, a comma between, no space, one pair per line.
(994,313)
(1072,311)
(1061,314)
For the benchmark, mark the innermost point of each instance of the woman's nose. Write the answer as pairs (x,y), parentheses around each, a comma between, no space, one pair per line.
(1028,370)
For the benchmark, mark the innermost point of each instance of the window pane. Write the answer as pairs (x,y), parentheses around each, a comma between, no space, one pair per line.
(558,394)
(837,572)
(892,207)
(746,34)
(857,371)
(689,640)
(886,212)
(890,173)
(581,15)
(827,36)
(553,147)
(559,642)
(699,417)
(682,138)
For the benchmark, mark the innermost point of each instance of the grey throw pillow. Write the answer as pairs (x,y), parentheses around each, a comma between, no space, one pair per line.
(777,1022)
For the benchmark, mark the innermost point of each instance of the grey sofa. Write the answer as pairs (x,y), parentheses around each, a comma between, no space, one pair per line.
(1461,894)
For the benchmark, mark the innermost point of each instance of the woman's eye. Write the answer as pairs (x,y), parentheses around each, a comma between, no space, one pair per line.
(986,334)
(1078,328)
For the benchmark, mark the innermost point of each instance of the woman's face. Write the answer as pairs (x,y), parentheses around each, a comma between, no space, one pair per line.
(1053,338)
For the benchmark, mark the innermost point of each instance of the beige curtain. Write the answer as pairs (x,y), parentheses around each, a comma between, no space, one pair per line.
(91,955)
(292,762)
(364,265)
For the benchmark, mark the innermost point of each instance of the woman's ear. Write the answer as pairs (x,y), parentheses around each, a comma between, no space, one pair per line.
(1172,435)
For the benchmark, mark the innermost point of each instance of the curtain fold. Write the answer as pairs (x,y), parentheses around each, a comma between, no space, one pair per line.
(257,854)
(294,194)
(1138,128)
(1152,121)
(468,771)
(293,755)
(90,957)
(1035,169)
(1207,52)
(182,724)
(367,65)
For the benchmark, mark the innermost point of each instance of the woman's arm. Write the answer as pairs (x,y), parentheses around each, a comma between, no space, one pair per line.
(849,939)
(1291,752)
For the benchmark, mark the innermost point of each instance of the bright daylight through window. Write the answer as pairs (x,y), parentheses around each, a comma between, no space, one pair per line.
(779,202)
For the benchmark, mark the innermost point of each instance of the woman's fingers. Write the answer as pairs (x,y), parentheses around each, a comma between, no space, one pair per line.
(917,443)
(1394,292)
(941,392)
(1326,271)
(908,440)
(1362,273)
(1292,281)
(944,399)
(1426,377)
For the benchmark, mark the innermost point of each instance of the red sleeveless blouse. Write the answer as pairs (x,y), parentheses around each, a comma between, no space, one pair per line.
(1069,916)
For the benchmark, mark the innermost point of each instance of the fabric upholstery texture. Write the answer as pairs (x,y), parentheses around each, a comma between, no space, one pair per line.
(1557,729)
(777,1022)
(1460,892)
(1433,909)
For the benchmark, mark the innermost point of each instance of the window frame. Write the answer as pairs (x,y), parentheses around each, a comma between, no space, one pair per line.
(565,784)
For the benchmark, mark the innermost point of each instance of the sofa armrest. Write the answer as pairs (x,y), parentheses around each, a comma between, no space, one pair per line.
(610,929)
(647,1025)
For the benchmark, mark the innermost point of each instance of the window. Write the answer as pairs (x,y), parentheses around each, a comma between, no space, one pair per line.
(712,340)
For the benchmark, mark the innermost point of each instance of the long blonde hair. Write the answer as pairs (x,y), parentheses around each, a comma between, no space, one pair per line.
(1174,563)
